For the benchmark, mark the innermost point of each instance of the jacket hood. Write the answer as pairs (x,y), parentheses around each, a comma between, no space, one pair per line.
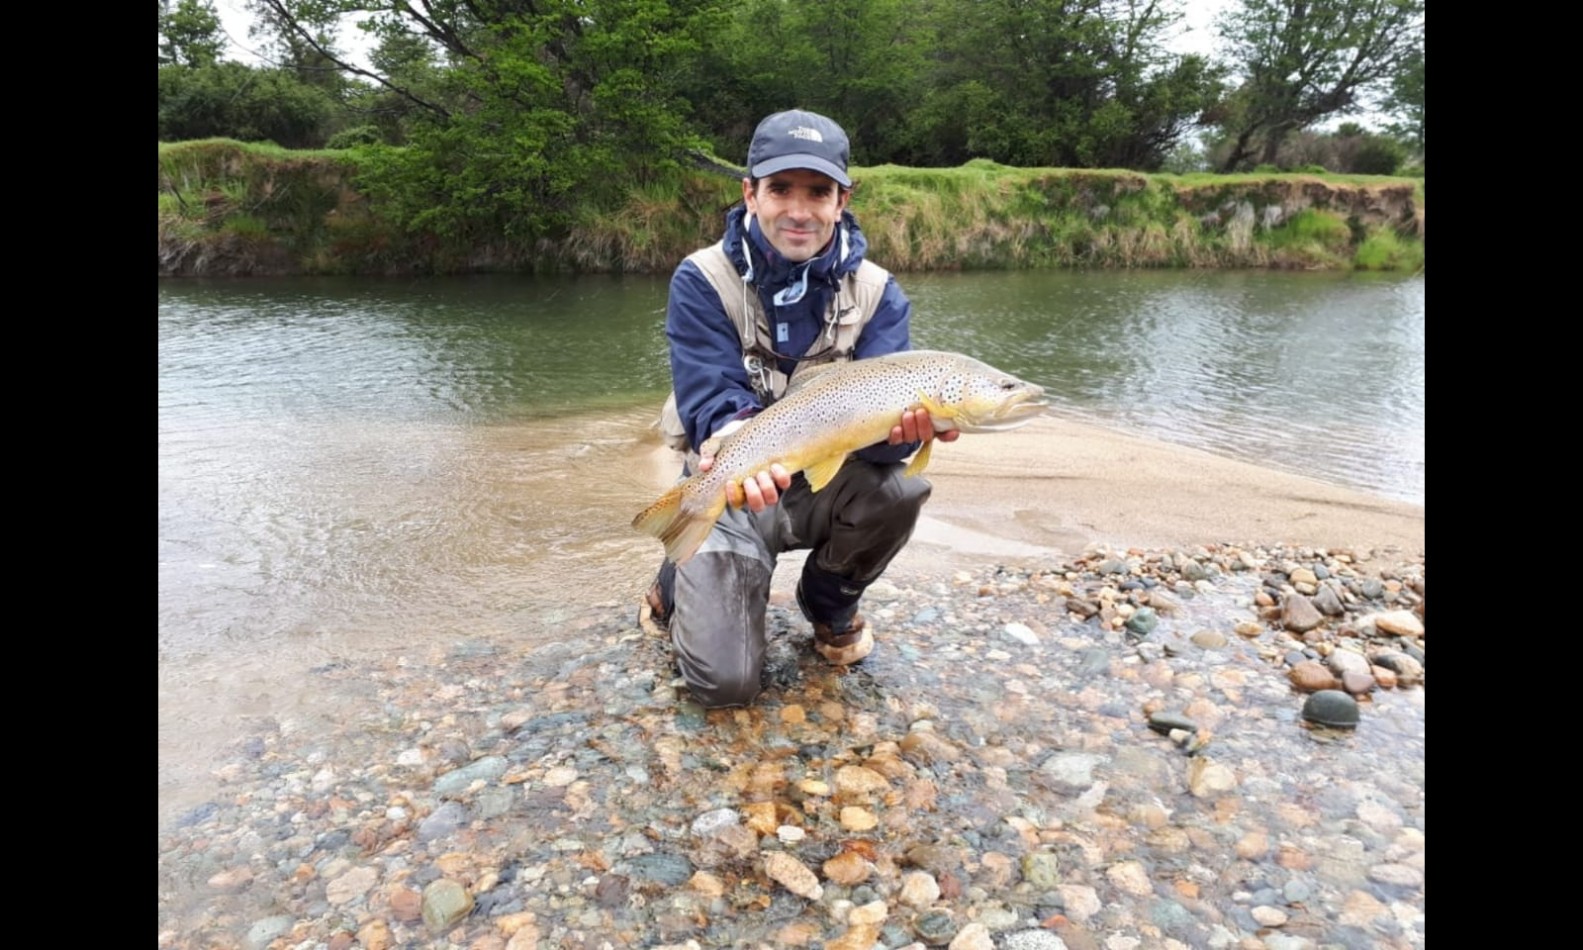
(749,252)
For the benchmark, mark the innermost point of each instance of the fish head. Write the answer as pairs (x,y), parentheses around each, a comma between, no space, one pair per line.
(981,398)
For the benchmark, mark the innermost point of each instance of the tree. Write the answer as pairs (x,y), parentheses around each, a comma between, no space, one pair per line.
(189,35)
(541,108)
(1405,102)
(1302,61)
(1085,83)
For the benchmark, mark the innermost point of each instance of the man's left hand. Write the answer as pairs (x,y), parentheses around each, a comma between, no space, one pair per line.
(916,426)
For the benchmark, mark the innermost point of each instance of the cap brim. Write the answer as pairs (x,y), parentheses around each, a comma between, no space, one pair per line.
(812,163)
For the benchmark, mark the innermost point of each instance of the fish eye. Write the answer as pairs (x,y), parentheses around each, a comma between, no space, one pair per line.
(1008,384)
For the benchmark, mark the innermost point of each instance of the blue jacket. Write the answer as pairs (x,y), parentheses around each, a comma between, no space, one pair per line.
(712,386)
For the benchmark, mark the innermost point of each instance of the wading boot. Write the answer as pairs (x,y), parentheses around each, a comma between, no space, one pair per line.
(654,614)
(842,643)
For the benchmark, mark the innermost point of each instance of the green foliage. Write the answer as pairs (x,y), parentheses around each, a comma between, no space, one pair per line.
(1302,61)
(1377,155)
(543,115)
(1406,98)
(190,34)
(237,101)
(355,136)
(1384,249)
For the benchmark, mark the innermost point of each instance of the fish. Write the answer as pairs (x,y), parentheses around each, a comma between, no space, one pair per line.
(832,410)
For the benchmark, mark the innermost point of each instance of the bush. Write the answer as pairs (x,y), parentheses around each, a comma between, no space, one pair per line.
(1377,155)
(232,100)
(355,136)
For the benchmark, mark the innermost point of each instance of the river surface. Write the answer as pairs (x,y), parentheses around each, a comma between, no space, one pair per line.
(357,466)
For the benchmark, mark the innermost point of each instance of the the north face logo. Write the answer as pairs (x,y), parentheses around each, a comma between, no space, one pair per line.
(803,132)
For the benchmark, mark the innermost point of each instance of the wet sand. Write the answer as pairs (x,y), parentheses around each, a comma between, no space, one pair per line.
(1071,485)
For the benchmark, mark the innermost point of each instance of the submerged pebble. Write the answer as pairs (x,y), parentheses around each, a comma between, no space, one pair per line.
(1027,773)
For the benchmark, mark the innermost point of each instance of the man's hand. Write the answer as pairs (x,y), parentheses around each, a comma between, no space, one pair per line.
(758,491)
(916,426)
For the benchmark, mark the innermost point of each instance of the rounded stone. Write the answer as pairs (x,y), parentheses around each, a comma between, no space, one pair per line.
(1311,676)
(1332,707)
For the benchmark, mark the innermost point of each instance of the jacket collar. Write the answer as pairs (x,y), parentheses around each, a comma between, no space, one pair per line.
(753,256)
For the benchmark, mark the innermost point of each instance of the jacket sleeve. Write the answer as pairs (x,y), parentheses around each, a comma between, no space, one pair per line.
(888,331)
(711,384)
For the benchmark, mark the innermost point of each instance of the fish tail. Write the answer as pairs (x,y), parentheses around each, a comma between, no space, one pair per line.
(681,526)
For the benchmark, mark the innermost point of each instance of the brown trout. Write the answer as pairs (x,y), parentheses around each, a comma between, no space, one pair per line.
(833,410)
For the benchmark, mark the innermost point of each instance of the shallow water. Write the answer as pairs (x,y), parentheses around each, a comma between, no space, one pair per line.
(353,468)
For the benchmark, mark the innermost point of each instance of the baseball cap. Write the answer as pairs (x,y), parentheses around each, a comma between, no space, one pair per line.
(798,139)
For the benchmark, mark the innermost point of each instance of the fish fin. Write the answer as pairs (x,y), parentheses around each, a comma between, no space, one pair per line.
(920,461)
(820,472)
(938,409)
(681,527)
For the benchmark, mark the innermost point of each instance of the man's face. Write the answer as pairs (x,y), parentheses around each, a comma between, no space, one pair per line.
(797,209)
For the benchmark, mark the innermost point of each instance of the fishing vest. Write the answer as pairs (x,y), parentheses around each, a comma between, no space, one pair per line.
(851,307)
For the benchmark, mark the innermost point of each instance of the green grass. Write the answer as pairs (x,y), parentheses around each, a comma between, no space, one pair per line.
(978,216)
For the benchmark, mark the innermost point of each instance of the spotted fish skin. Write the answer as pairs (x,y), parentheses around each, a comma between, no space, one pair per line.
(831,411)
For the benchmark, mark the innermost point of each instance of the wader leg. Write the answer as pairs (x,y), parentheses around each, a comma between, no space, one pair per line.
(717,620)
(856,525)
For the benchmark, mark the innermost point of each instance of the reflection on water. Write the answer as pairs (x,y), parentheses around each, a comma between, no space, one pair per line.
(353,464)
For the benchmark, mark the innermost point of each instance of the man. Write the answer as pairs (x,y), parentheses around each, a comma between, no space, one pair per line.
(786,287)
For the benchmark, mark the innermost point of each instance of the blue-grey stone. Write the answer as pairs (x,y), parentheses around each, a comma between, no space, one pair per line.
(197,814)
(488,768)
(673,870)
(263,932)
(1093,661)
(1166,720)
(1173,918)
(690,716)
(935,926)
(926,615)
(442,821)
(1143,621)
(495,801)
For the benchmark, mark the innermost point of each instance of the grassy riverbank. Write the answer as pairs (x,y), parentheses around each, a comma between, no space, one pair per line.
(233,209)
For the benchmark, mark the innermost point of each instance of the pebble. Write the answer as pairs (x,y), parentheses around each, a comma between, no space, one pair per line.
(1021,794)
(445,903)
(793,875)
(1403,623)
(1331,707)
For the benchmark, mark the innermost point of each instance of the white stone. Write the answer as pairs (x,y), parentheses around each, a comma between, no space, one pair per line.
(1131,877)
(1082,901)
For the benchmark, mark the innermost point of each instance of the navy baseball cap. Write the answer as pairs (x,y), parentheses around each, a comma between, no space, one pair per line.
(798,139)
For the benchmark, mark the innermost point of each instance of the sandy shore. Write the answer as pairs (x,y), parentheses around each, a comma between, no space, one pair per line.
(1064,486)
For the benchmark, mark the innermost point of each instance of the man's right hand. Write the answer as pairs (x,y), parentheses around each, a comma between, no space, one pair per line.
(759,490)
